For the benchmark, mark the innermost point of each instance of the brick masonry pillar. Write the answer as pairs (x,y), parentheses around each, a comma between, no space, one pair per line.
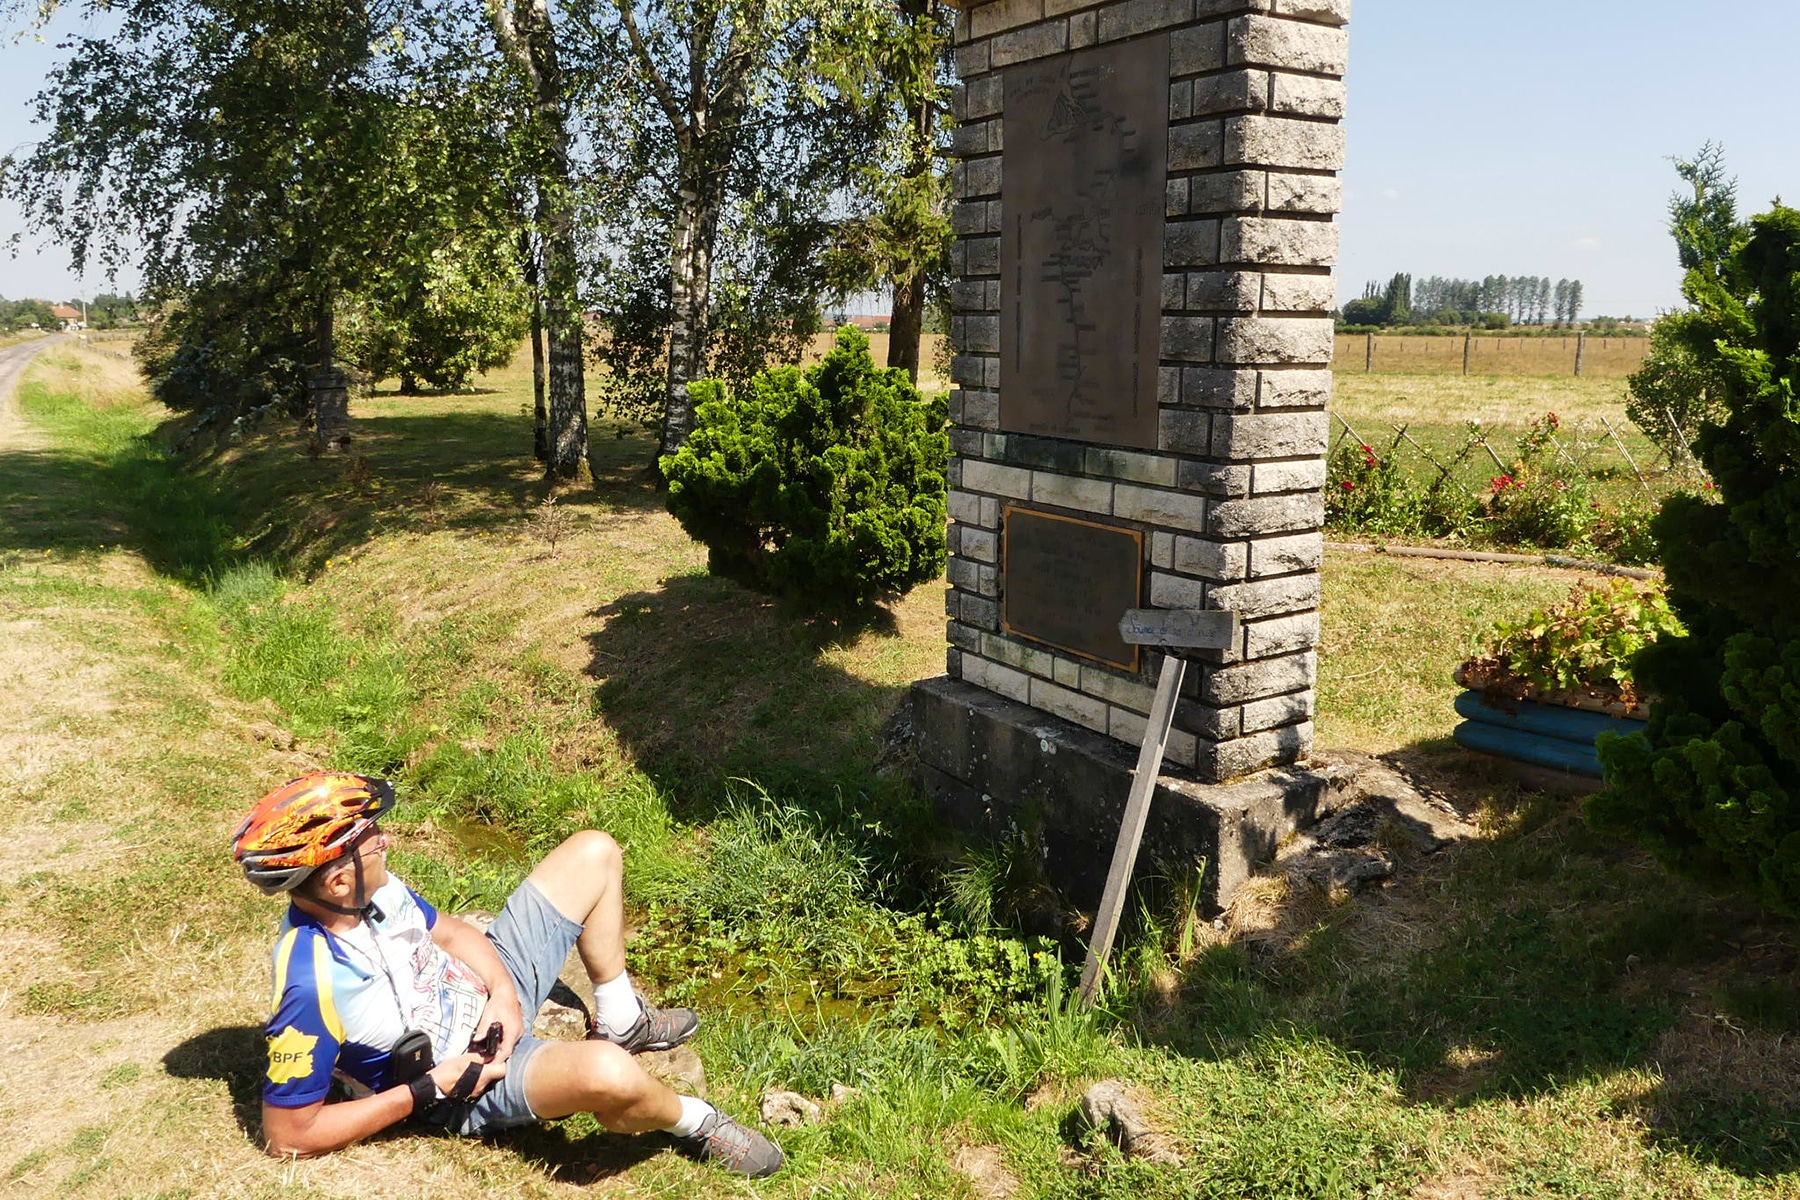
(1229,501)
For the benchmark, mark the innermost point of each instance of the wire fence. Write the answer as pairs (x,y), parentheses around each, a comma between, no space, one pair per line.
(1578,354)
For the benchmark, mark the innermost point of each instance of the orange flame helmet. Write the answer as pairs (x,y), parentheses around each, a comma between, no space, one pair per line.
(305,824)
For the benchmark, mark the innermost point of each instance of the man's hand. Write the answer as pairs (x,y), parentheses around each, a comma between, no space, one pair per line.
(447,1073)
(504,1008)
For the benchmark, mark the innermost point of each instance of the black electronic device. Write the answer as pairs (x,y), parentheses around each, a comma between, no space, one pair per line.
(410,1057)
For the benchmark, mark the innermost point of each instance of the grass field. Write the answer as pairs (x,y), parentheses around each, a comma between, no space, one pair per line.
(1538,1013)
(1597,439)
(1398,354)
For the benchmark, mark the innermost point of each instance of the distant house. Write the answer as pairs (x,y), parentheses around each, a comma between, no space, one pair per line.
(869,324)
(69,316)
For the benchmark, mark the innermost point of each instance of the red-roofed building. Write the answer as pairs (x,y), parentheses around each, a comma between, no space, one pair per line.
(69,316)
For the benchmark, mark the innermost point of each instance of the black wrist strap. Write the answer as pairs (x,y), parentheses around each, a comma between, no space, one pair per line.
(424,1092)
(464,1087)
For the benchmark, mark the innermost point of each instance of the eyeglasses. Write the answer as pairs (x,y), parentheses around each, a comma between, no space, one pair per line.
(375,839)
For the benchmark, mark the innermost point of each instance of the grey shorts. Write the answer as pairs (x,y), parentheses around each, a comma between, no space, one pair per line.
(534,941)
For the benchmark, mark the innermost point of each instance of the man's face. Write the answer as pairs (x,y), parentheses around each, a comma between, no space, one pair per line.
(371,850)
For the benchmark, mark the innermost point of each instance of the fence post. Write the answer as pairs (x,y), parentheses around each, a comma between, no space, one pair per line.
(1369,354)
(1580,351)
(1466,339)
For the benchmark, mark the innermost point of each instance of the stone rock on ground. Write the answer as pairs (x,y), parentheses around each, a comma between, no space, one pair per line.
(680,1068)
(1111,1107)
(985,1169)
(789,1110)
(1378,821)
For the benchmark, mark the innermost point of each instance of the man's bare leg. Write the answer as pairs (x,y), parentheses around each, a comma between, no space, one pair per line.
(584,878)
(598,1077)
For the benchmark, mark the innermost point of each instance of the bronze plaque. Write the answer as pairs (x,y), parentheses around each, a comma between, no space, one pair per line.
(1068,583)
(1081,249)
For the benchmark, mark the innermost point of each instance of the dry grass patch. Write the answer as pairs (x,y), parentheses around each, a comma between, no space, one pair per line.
(1372,403)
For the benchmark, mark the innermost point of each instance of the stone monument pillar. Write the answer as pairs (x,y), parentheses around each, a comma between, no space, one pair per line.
(330,388)
(1143,211)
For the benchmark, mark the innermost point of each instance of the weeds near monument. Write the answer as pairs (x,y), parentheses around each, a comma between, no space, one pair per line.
(825,485)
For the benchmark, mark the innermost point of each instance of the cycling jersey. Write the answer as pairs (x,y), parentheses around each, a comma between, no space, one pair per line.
(340,1002)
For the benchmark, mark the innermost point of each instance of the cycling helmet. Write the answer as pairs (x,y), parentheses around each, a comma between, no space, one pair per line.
(306,823)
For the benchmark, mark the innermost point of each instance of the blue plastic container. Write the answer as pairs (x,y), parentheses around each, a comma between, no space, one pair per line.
(1545,735)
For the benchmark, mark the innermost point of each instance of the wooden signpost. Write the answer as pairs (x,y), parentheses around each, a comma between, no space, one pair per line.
(1173,629)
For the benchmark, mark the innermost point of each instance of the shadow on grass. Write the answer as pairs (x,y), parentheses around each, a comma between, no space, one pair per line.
(237,1054)
(706,681)
(192,517)
(65,503)
(468,471)
(1519,965)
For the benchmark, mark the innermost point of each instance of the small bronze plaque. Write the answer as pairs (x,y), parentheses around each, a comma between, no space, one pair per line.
(1069,582)
(1081,247)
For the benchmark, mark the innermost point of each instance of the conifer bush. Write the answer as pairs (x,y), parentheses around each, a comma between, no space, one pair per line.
(825,485)
(1712,787)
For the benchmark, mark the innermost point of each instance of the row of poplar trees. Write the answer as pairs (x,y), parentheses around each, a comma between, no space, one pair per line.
(665,187)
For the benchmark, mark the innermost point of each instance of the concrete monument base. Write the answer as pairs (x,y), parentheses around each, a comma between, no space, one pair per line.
(1010,772)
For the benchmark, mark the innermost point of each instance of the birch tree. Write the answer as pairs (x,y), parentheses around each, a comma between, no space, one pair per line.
(527,36)
(730,145)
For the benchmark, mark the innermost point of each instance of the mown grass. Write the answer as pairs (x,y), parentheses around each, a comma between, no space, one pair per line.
(1539,1013)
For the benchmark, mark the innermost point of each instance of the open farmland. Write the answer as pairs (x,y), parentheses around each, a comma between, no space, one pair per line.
(1604,357)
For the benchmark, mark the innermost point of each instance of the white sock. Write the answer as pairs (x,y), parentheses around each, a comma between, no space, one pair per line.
(693,1114)
(615,1004)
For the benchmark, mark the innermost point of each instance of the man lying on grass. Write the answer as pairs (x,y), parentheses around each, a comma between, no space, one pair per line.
(386,1010)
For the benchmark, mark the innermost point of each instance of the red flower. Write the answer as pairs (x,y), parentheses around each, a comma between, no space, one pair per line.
(1500,483)
(1368,449)
(1347,486)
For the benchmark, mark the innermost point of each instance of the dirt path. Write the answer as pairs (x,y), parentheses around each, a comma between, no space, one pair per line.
(13,361)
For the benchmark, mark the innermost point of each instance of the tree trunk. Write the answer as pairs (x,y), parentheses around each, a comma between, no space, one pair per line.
(906,321)
(325,330)
(526,35)
(906,318)
(540,413)
(690,277)
(705,149)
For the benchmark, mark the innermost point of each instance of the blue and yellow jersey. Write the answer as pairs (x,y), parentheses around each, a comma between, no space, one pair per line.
(340,1002)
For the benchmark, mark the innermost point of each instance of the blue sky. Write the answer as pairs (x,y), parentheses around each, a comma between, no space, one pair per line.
(1532,138)
(1529,138)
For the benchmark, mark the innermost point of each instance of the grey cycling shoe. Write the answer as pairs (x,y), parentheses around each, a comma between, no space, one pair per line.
(738,1148)
(655,1029)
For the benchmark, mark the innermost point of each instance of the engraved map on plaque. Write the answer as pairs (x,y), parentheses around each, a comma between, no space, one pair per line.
(1068,582)
(1086,148)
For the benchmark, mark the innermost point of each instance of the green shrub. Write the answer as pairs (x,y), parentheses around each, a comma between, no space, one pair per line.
(1713,785)
(1368,491)
(825,485)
